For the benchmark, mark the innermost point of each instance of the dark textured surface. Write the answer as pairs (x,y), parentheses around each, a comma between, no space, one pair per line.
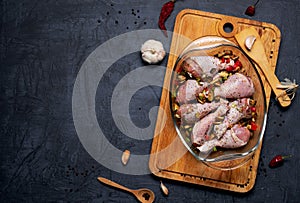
(44,43)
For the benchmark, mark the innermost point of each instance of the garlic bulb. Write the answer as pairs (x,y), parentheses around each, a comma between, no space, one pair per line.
(153,51)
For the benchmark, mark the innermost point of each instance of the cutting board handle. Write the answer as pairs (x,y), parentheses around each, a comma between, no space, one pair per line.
(227,27)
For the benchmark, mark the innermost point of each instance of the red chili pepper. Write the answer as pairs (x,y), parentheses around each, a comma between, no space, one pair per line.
(251,9)
(253,109)
(230,68)
(277,161)
(253,126)
(222,60)
(165,12)
(237,63)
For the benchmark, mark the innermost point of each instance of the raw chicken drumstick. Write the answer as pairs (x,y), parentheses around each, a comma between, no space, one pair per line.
(187,92)
(203,66)
(201,127)
(238,109)
(191,113)
(235,137)
(192,67)
(236,86)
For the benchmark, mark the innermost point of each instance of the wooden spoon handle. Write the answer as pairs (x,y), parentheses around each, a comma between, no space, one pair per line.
(281,95)
(258,55)
(116,185)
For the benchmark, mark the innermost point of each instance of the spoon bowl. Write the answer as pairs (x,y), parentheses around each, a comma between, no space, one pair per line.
(144,195)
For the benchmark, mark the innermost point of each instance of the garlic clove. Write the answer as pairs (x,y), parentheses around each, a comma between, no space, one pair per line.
(249,41)
(164,188)
(125,156)
(152,51)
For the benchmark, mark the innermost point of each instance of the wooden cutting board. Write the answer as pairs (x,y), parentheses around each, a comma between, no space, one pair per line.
(166,146)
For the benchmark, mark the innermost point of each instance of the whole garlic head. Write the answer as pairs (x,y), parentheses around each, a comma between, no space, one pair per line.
(153,51)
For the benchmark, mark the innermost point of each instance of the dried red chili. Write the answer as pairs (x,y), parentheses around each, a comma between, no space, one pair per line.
(250,11)
(165,12)
(277,161)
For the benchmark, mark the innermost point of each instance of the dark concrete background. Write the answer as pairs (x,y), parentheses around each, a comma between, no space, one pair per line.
(43,45)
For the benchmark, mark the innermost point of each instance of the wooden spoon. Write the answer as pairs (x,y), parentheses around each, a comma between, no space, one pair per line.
(144,195)
(258,55)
